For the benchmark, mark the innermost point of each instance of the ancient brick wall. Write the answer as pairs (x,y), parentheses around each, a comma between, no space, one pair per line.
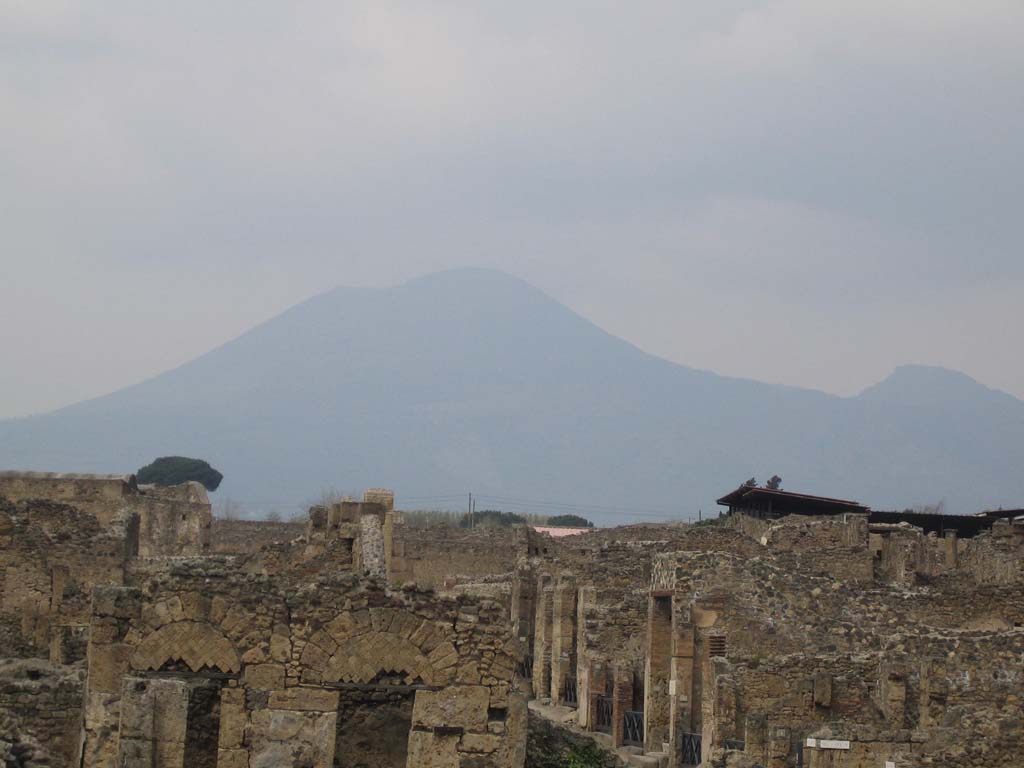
(283,649)
(40,713)
(780,649)
(436,555)
(51,557)
(242,537)
(103,496)
(172,521)
(995,557)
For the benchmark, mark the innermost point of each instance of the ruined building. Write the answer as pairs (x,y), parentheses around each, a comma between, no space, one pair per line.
(128,643)
(794,631)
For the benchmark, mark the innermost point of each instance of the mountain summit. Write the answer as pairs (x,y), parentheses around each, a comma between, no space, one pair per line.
(472,380)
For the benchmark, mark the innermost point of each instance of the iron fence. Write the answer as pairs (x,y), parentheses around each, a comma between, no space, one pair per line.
(603,721)
(570,696)
(691,748)
(633,730)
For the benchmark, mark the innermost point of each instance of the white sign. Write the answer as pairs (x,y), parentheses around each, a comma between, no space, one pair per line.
(833,744)
(812,742)
(890,764)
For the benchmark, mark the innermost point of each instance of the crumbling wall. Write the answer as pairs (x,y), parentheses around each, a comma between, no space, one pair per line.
(997,556)
(440,555)
(51,557)
(171,521)
(102,496)
(779,650)
(40,713)
(282,649)
(247,537)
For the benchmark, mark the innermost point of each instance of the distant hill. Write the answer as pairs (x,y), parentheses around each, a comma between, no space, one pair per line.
(474,380)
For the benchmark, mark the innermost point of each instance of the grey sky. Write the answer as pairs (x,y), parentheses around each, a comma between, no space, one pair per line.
(799,191)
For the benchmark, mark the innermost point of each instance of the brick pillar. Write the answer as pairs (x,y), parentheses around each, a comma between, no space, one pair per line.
(622,699)
(657,670)
(542,640)
(563,635)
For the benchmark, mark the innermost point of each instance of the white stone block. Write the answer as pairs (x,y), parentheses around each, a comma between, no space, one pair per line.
(833,744)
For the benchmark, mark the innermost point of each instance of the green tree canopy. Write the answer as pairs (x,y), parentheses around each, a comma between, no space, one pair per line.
(491,517)
(172,470)
(570,521)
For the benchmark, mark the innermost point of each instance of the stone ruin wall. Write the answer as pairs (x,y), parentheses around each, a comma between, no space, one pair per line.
(51,558)
(247,537)
(40,712)
(279,652)
(439,555)
(903,642)
(799,651)
(180,674)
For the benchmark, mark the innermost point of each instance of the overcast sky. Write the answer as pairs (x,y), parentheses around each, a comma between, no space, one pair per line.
(799,191)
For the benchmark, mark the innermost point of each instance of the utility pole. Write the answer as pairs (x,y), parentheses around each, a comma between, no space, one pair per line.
(469,510)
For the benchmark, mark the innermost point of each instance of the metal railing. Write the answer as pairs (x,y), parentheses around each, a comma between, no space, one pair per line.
(603,720)
(691,748)
(633,728)
(570,695)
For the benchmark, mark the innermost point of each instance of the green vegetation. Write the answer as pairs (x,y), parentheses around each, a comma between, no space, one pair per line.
(492,518)
(172,470)
(570,521)
(578,756)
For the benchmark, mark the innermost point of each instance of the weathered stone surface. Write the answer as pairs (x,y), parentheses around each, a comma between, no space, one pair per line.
(462,706)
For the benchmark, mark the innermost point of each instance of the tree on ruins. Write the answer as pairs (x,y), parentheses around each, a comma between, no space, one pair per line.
(775,483)
(570,521)
(172,470)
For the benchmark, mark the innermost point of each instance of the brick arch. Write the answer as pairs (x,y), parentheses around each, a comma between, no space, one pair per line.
(196,643)
(357,647)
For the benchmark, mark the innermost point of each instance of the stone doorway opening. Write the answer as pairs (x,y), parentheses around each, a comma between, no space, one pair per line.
(374,722)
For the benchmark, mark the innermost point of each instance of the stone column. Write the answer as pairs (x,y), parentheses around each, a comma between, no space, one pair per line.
(524,604)
(779,741)
(542,640)
(230,750)
(154,723)
(657,670)
(681,683)
(755,734)
(371,545)
(952,552)
(563,635)
(108,655)
(585,598)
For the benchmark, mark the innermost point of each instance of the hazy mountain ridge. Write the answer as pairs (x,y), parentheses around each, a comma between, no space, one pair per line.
(474,380)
